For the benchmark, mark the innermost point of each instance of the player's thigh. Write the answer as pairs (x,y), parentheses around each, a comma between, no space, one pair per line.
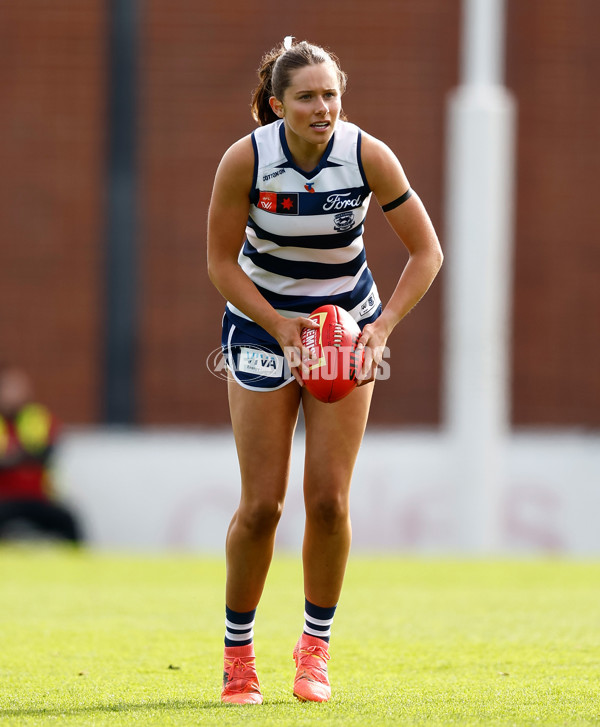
(263,425)
(334,434)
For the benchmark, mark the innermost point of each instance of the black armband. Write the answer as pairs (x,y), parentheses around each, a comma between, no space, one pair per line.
(398,201)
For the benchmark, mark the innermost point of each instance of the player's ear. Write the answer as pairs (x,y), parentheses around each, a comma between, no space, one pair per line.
(277,106)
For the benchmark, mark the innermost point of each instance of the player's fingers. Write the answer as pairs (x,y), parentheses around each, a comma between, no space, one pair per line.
(378,352)
(296,374)
(366,370)
(293,355)
(363,339)
(296,357)
(363,365)
(307,322)
(308,354)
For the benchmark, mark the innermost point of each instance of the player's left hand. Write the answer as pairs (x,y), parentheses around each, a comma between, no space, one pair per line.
(373,342)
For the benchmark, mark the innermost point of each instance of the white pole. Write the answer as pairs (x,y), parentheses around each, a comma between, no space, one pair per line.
(482,42)
(480,181)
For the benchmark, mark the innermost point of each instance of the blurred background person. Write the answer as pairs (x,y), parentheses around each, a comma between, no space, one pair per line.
(28,436)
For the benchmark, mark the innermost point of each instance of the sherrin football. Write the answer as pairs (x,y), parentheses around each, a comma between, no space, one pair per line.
(333,344)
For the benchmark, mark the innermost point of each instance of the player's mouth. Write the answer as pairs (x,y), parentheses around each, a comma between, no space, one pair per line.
(320,125)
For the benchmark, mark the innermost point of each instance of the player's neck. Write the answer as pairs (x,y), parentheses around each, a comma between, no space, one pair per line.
(306,156)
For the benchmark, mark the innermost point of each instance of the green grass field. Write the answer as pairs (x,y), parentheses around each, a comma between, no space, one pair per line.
(89,639)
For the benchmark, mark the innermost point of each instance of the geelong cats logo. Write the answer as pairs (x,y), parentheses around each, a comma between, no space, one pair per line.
(343,221)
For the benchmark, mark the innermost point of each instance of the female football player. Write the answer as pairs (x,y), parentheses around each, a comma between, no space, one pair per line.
(294,194)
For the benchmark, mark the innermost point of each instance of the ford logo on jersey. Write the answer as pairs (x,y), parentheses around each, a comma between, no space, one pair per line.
(341,201)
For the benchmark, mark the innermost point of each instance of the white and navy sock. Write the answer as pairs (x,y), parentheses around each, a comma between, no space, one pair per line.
(239,627)
(318,620)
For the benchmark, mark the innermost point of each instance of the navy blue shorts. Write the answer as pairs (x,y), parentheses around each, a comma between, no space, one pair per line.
(253,363)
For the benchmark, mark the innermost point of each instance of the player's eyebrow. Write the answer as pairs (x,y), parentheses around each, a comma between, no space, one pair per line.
(313,90)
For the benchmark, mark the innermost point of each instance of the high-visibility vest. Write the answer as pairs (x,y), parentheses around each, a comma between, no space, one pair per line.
(32,427)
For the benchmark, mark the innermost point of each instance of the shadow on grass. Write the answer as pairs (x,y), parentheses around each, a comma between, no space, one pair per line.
(174,705)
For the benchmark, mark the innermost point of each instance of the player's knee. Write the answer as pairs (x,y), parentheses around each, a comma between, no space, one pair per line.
(261,517)
(329,511)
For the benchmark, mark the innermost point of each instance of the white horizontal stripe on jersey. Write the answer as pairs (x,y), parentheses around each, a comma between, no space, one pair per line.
(302,286)
(282,312)
(328,257)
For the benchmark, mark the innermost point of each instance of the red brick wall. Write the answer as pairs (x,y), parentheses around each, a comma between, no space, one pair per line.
(52,127)
(554,70)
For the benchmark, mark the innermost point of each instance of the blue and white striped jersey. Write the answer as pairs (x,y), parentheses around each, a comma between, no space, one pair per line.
(304,237)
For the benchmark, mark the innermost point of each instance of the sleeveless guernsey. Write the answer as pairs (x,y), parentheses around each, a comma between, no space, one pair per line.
(304,237)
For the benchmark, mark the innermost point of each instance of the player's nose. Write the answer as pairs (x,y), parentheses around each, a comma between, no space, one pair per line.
(322,107)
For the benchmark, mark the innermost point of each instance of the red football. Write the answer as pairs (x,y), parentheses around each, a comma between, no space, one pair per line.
(333,343)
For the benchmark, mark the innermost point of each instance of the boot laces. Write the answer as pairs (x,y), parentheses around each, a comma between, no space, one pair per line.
(239,668)
(312,662)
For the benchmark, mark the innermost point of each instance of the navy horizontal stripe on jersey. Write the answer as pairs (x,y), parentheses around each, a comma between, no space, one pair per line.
(299,269)
(307,303)
(318,242)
